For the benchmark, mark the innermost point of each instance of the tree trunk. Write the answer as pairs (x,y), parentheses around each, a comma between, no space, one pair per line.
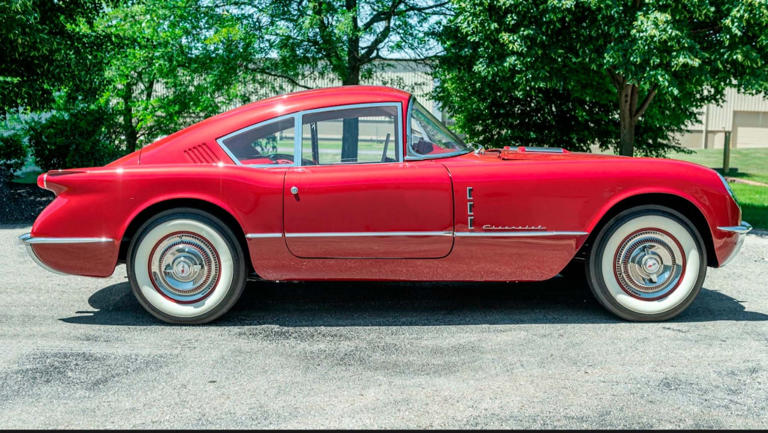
(350,127)
(627,118)
(129,131)
(627,138)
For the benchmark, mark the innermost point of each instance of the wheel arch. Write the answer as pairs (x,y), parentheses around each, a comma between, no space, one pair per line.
(195,203)
(671,201)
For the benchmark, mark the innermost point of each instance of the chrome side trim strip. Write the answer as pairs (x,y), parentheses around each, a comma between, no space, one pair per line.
(362,234)
(263,235)
(520,234)
(743,228)
(30,240)
(445,233)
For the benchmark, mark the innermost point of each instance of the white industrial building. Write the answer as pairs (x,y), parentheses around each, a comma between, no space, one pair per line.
(745,116)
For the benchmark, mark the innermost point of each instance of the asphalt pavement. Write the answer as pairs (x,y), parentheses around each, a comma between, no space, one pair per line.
(81,353)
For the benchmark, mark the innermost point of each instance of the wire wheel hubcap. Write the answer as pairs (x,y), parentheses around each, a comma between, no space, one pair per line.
(184,267)
(649,264)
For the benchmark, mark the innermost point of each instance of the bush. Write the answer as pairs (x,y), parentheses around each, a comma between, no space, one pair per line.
(79,136)
(12,153)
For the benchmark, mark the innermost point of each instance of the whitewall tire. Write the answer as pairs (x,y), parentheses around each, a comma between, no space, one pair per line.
(647,263)
(186,266)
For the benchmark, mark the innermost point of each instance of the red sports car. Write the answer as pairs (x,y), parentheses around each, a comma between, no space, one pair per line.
(364,183)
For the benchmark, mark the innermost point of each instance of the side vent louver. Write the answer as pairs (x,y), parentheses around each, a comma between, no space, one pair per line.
(201,154)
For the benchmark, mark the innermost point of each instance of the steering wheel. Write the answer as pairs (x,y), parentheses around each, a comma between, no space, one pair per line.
(423,146)
(277,157)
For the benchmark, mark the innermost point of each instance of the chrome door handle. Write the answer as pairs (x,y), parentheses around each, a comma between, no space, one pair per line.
(294,190)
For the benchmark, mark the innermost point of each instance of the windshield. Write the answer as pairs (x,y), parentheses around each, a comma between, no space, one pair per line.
(429,138)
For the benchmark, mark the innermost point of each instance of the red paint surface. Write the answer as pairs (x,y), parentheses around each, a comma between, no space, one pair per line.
(366,198)
(560,192)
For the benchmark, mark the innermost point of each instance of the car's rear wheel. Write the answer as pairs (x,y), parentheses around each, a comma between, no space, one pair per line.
(647,263)
(186,266)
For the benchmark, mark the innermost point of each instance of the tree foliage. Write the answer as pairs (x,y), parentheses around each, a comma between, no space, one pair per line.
(12,152)
(296,42)
(41,53)
(146,68)
(169,64)
(620,74)
(342,38)
(73,135)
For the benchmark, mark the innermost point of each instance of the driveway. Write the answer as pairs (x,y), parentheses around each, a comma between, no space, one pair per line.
(80,352)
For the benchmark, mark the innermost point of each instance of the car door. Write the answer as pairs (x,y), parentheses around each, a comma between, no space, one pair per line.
(353,197)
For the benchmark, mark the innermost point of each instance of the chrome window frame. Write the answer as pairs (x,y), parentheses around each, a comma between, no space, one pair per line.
(299,132)
(408,157)
(398,128)
(296,140)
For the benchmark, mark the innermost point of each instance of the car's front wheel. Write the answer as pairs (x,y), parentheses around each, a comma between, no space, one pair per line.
(647,263)
(186,266)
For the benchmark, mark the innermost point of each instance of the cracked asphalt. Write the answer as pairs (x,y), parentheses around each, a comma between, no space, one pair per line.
(81,353)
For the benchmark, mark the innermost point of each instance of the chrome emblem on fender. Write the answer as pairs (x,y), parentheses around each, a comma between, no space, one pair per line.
(511,228)
(470,209)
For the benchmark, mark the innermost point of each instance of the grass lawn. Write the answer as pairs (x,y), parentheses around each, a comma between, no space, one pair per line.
(752,164)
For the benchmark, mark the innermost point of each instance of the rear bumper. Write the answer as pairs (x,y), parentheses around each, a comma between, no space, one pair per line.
(24,241)
(739,232)
(93,257)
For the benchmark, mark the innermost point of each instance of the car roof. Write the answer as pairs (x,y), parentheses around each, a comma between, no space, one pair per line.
(265,109)
(325,97)
(288,103)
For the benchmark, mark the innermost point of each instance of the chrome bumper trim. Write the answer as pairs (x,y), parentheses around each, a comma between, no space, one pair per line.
(742,229)
(31,240)
(25,240)
(263,235)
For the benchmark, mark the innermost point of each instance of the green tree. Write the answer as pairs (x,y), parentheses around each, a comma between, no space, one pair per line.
(41,53)
(343,38)
(73,134)
(640,68)
(337,39)
(168,64)
(12,151)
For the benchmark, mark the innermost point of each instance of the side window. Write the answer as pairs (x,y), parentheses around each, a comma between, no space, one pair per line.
(267,143)
(350,135)
(429,138)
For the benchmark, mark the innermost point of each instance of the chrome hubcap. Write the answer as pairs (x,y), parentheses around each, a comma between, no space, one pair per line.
(184,267)
(649,264)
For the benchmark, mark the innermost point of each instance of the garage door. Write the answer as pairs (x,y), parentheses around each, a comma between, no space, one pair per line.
(750,129)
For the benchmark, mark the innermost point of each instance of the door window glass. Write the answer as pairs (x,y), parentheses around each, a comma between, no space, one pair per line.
(351,135)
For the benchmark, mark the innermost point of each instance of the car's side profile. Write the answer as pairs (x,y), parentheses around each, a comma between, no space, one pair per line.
(363,183)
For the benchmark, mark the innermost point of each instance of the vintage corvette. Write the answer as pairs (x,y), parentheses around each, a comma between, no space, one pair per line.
(364,183)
